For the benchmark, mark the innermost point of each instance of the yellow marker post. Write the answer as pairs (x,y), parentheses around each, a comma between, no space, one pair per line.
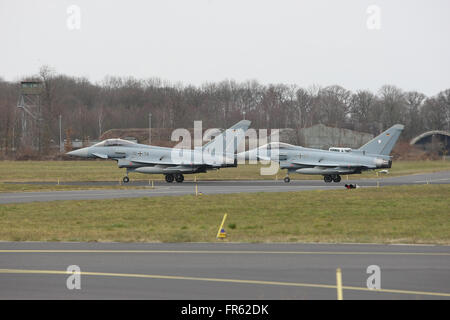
(196,186)
(153,186)
(58,181)
(221,234)
(339,284)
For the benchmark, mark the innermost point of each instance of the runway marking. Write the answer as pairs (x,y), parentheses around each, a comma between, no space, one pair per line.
(224,280)
(431,180)
(234,252)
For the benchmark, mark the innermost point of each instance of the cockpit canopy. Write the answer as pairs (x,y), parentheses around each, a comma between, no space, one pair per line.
(277,145)
(114,143)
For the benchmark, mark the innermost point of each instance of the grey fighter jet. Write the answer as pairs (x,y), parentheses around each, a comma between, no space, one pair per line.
(329,163)
(172,162)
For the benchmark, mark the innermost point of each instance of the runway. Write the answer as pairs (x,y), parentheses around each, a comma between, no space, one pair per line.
(221,271)
(212,187)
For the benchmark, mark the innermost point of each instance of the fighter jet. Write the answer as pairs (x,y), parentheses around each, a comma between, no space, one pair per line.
(172,162)
(329,163)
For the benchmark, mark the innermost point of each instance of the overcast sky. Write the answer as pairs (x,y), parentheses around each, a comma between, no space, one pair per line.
(321,42)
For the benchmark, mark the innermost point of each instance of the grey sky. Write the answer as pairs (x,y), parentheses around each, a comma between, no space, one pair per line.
(320,42)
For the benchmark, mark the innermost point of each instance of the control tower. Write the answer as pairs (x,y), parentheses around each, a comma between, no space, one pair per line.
(29,104)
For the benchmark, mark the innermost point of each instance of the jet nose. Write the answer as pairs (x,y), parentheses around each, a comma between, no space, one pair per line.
(83,152)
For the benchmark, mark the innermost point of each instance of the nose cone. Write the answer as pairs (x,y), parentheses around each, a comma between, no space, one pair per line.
(83,153)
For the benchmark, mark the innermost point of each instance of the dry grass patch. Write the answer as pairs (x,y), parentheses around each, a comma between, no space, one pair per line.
(408,214)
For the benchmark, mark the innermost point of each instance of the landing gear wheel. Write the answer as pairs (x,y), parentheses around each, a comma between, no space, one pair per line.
(169,178)
(287,179)
(337,178)
(179,177)
(327,179)
(125,179)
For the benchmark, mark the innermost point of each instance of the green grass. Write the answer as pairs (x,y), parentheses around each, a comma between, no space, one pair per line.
(6,187)
(407,214)
(103,170)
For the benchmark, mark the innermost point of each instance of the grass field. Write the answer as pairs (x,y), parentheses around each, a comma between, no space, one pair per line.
(102,170)
(6,187)
(407,214)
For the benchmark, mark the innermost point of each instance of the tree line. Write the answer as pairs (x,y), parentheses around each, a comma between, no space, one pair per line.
(88,109)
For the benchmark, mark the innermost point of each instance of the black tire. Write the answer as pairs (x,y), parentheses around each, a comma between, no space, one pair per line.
(337,178)
(327,179)
(287,179)
(126,179)
(169,178)
(179,178)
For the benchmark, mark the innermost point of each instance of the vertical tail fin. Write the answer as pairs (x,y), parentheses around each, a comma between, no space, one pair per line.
(385,142)
(224,141)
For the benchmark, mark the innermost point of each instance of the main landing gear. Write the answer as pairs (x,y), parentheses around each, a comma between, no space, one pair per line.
(178,177)
(332,177)
(287,179)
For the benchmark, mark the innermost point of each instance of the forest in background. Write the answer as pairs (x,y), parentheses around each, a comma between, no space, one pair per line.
(89,109)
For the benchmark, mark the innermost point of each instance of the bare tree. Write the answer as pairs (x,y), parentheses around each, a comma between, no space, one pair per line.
(334,105)
(436,112)
(364,108)
(411,118)
(392,102)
